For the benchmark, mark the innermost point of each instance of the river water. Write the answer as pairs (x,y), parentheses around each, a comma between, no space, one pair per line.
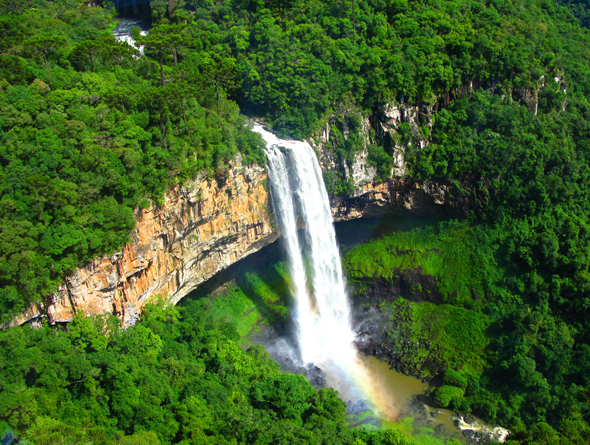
(122,31)
(408,395)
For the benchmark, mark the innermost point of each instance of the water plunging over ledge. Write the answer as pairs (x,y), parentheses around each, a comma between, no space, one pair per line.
(321,312)
(122,31)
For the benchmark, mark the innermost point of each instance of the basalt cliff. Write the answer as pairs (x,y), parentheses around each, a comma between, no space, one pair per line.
(207,224)
(204,226)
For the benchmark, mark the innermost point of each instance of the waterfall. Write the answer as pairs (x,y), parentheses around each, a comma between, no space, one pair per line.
(122,31)
(321,311)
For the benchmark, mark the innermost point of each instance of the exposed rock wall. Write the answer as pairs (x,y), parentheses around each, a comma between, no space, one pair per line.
(399,193)
(204,226)
(387,123)
(403,195)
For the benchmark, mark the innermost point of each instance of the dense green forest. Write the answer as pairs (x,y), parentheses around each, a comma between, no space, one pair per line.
(90,133)
(490,348)
(179,376)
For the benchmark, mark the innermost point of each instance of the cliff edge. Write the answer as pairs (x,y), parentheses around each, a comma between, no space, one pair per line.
(208,224)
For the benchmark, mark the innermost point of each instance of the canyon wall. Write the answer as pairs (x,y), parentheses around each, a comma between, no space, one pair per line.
(208,224)
(204,226)
(400,193)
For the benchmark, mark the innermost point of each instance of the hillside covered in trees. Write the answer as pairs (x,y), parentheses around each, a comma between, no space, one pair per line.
(179,376)
(90,132)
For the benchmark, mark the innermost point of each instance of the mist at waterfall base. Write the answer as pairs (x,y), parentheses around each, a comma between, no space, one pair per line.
(323,332)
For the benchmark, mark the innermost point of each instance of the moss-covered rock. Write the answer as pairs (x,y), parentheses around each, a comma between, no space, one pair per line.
(422,292)
(446,394)
(455,378)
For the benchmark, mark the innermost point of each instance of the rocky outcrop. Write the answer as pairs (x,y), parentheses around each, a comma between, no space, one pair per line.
(411,284)
(386,332)
(204,226)
(385,329)
(403,195)
(399,193)
(387,123)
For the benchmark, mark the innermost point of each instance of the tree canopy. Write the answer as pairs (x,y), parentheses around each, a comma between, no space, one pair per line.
(180,376)
(91,133)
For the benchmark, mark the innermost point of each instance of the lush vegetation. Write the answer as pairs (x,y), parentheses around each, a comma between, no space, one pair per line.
(491,348)
(452,253)
(178,376)
(88,131)
(259,295)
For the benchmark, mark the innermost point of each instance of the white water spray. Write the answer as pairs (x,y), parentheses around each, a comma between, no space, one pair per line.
(321,313)
(123,32)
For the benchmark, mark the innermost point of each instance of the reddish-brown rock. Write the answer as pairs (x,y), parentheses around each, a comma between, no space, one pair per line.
(208,224)
(203,227)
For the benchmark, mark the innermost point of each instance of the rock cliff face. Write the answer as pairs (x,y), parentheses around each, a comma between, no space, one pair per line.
(403,196)
(208,224)
(399,193)
(204,226)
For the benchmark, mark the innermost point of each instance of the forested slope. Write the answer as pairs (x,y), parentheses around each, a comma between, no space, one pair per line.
(89,131)
(179,376)
(475,330)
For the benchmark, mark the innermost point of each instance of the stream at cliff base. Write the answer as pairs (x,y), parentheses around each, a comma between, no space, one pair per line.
(408,395)
(319,340)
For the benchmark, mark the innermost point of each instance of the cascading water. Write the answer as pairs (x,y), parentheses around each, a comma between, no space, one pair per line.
(324,331)
(322,314)
(122,31)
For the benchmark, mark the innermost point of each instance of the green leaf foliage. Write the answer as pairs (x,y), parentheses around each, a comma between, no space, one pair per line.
(88,131)
(445,395)
(512,346)
(178,376)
